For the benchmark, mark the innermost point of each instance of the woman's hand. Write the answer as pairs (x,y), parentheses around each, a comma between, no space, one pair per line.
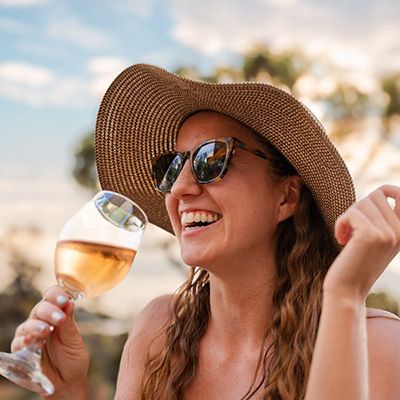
(370,231)
(64,360)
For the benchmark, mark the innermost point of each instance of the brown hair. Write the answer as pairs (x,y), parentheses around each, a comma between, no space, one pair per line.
(304,251)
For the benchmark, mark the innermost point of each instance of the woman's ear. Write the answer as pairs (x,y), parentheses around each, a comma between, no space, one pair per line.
(291,191)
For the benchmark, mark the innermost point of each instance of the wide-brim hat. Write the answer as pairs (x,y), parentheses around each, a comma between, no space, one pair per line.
(144,107)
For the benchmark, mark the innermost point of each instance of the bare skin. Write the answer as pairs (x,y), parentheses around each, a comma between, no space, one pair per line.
(366,349)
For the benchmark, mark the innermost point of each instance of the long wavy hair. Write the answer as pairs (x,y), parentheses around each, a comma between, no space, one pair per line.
(304,250)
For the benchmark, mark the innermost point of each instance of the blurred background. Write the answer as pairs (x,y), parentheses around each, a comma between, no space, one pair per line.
(57,58)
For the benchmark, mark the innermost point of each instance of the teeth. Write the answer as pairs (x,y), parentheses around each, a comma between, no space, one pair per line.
(189,218)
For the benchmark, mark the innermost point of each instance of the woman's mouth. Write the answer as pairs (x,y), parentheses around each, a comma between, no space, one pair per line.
(198,219)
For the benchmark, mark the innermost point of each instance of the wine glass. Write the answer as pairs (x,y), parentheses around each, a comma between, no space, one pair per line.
(94,253)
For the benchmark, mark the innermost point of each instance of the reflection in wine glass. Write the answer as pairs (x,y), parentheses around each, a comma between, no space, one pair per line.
(94,253)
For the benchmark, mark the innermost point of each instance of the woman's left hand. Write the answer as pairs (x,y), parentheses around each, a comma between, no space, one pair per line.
(370,232)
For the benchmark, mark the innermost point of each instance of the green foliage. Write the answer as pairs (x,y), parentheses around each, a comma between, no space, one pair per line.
(391,87)
(384,302)
(84,170)
(282,69)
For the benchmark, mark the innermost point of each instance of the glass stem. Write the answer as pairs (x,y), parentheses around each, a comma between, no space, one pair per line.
(31,353)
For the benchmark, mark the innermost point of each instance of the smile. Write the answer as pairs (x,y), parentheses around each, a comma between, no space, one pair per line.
(200,219)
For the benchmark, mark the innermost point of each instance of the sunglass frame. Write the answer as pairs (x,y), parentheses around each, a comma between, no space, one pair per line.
(231,142)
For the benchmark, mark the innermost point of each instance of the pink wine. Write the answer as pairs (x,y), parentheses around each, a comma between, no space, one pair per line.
(91,268)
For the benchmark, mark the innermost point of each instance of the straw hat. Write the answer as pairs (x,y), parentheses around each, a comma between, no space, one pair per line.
(144,107)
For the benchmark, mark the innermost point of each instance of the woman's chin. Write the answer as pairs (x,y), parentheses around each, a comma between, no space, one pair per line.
(196,259)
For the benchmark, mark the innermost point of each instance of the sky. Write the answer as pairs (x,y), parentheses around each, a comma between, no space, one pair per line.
(57,57)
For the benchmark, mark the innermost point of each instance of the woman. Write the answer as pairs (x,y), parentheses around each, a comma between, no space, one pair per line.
(263,206)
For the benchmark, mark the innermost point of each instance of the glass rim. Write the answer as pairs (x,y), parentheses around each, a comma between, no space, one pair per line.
(100,192)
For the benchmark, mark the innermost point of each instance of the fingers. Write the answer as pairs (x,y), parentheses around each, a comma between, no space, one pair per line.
(48,312)
(348,222)
(391,191)
(20,342)
(57,296)
(34,327)
(380,200)
(54,299)
(28,332)
(382,222)
(53,310)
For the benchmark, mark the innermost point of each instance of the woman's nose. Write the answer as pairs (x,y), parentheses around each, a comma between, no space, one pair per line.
(186,184)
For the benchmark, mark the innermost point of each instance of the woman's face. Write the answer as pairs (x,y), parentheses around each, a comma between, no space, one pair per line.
(249,205)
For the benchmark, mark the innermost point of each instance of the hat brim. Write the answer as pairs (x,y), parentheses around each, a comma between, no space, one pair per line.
(144,107)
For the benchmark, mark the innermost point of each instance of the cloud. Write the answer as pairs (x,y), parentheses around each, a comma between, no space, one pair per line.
(25,74)
(229,25)
(41,49)
(10,25)
(103,70)
(140,8)
(281,3)
(214,28)
(39,86)
(73,31)
(21,3)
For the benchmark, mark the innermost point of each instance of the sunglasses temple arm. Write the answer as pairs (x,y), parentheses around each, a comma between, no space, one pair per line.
(256,152)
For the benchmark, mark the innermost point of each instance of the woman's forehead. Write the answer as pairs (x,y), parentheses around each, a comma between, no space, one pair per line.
(206,125)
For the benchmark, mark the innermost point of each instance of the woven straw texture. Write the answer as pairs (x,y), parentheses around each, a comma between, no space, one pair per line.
(144,107)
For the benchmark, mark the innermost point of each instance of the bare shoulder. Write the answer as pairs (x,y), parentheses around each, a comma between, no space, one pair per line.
(383,330)
(148,327)
(378,313)
(154,315)
(147,336)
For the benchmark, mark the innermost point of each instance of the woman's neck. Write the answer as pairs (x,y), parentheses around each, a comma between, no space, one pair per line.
(241,305)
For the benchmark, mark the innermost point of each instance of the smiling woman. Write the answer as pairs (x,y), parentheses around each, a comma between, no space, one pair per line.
(281,255)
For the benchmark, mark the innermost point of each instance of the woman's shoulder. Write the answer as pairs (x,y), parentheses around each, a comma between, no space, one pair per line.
(383,334)
(155,314)
(383,329)
(149,325)
(379,313)
(146,337)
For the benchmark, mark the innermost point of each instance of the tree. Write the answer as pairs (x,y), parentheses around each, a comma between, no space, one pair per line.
(84,170)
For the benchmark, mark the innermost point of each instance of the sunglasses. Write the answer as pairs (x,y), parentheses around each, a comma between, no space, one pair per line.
(209,161)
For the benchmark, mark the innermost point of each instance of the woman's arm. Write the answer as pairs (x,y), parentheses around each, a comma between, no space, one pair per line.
(370,231)
(339,368)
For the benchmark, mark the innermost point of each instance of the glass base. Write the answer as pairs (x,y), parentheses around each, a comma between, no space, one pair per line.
(23,368)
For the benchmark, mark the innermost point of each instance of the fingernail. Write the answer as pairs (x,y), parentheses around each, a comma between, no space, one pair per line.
(61,300)
(57,316)
(42,327)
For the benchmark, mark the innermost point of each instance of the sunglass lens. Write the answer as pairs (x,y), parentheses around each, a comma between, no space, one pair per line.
(209,161)
(166,171)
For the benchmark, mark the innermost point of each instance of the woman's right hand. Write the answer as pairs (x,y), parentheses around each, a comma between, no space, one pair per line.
(65,359)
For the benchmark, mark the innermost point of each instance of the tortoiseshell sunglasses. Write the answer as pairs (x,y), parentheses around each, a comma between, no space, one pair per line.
(209,161)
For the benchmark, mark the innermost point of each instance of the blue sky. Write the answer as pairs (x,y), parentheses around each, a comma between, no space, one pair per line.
(57,57)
